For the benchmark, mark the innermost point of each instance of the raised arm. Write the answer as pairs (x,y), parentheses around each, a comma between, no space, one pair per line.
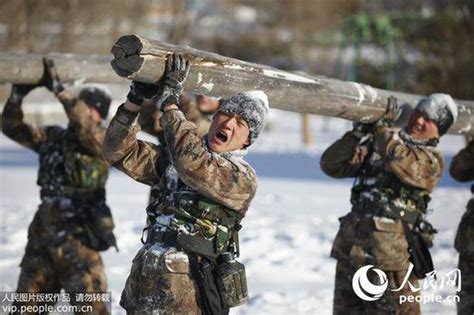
(228,181)
(13,125)
(90,132)
(141,160)
(345,157)
(418,166)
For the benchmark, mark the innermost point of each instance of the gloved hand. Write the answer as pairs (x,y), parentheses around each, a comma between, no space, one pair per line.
(392,113)
(360,129)
(19,91)
(139,92)
(50,77)
(171,87)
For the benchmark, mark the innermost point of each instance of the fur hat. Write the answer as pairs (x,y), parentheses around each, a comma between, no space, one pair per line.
(96,96)
(441,109)
(252,106)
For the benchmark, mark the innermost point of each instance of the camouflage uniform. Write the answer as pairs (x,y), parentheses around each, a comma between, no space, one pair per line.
(72,178)
(462,169)
(149,121)
(149,118)
(392,171)
(160,281)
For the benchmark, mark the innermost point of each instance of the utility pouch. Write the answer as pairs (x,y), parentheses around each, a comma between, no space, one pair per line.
(419,252)
(98,227)
(231,281)
(203,271)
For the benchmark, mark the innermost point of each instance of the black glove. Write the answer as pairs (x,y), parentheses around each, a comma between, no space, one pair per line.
(360,129)
(140,91)
(19,91)
(51,78)
(171,87)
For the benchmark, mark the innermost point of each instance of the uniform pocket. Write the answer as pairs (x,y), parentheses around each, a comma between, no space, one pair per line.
(389,244)
(345,237)
(176,261)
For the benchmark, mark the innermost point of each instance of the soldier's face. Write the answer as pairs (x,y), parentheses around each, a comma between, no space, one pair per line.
(227,133)
(421,127)
(207,104)
(94,114)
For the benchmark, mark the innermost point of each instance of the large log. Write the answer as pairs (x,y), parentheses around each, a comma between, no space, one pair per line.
(28,68)
(142,59)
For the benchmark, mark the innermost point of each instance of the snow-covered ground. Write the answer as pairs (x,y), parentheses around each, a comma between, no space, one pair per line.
(287,234)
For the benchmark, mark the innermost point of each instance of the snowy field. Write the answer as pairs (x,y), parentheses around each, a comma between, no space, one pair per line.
(287,235)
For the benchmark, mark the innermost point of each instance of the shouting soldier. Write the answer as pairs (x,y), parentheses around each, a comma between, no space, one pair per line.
(73,222)
(187,264)
(395,172)
(462,169)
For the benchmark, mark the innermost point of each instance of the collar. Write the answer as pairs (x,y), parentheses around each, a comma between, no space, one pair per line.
(418,142)
(230,154)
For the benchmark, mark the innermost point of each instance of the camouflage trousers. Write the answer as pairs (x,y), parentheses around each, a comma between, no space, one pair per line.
(347,302)
(52,263)
(160,283)
(466,295)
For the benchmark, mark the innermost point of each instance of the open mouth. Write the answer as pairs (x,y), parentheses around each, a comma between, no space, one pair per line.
(222,136)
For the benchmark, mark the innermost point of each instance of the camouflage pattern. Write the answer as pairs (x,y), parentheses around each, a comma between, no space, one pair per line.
(72,177)
(56,259)
(160,280)
(222,178)
(149,118)
(462,169)
(391,170)
(346,302)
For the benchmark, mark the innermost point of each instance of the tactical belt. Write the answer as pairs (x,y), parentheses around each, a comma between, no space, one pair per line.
(394,212)
(76,194)
(184,242)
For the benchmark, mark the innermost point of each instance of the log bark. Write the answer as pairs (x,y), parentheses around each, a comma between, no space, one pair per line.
(141,59)
(28,68)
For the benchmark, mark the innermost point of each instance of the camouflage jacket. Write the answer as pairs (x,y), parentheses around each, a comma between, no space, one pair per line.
(149,118)
(462,169)
(392,171)
(185,164)
(70,159)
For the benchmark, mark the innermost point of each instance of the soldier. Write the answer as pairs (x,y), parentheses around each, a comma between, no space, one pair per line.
(206,190)
(73,221)
(462,169)
(395,171)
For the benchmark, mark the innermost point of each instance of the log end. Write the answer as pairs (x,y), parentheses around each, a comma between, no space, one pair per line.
(127,67)
(126,52)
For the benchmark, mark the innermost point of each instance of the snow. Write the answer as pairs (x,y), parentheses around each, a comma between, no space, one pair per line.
(362,90)
(274,73)
(287,234)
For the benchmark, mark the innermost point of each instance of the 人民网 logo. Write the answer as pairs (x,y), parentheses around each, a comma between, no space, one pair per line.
(365,289)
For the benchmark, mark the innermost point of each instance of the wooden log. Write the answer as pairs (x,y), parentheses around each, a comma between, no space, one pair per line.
(28,68)
(141,59)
